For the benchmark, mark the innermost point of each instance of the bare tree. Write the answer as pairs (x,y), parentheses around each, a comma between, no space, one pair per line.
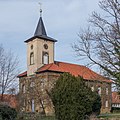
(35,92)
(38,93)
(8,71)
(100,42)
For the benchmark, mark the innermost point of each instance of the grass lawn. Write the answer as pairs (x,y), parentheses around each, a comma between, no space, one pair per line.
(27,117)
(110,115)
(47,118)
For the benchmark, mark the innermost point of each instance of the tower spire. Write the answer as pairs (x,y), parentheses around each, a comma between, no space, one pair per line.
(40,30)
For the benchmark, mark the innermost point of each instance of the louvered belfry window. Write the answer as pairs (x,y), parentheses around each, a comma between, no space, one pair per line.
(45,58)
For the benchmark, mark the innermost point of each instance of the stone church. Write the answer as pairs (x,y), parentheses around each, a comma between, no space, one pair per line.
(43,71)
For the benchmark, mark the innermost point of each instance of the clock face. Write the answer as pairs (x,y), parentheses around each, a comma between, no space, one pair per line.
(45,46)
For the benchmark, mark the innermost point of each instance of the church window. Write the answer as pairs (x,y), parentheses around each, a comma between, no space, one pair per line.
(106,91)
(33,105)
(23,88)
(92,88)
(32,84)
(42,86)
(42,103)
(31,58)
(24,102)
(106,103)
(45,58)
(99,90)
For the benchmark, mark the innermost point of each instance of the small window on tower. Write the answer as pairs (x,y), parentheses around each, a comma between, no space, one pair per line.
(31,47)
(31,58)
(45,58)
(45,46)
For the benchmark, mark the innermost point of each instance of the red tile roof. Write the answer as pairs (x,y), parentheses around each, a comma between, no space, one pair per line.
(115,97)
(22,74)
(10,100)
(74,69)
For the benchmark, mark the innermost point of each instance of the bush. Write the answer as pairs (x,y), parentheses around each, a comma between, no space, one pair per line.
(96,104)
(7,113)
(72,99)
(115,110)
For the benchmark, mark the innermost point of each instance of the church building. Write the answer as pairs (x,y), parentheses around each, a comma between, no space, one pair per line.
(43,71)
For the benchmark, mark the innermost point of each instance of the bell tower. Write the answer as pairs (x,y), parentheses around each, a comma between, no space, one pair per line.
(40,48)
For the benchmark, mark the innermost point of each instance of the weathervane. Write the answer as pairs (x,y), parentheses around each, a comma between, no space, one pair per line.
(40,9)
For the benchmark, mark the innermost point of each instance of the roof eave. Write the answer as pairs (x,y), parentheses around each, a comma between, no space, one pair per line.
(45,38)
(21,76)
(38,72)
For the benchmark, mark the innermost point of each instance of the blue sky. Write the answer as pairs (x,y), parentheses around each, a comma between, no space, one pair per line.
(62,18)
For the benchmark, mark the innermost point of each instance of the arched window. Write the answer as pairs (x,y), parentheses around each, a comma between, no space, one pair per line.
(45,58)
(23,88)
(33,105)
(42,84)
(106,103)
(32,84)
(92,88)
(106,91)
(31,58)
(99,90)
(24,102)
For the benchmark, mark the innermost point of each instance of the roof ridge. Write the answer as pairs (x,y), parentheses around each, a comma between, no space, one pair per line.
(70,63)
